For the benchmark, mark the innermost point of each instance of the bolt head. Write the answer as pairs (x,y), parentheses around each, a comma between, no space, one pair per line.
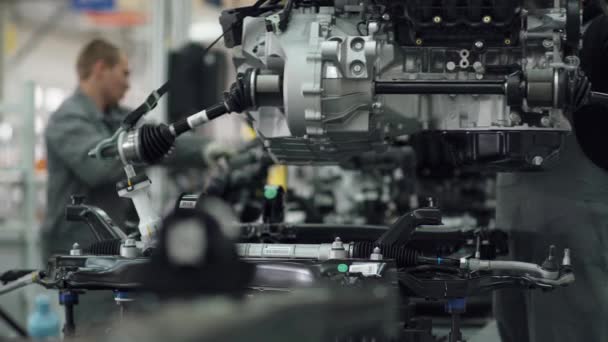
(507,41)
(450,66)
(419,41)
(537,161)
(545,121)
(515,118)
(487,19)
(76,249)
(386,17)
(357,68)
(437,19)
(337,244)
(573,61)
(479,44)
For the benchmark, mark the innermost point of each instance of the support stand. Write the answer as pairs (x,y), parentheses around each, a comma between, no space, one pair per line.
(68,299)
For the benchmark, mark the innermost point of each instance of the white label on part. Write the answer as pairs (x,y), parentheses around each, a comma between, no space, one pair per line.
(187,204)
(367,269)
(277,250)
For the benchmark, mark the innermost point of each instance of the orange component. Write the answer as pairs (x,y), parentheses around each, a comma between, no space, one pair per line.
(40,165)
(117,19)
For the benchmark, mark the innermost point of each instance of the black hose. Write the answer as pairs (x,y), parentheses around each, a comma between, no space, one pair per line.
(13,324)
(13,275)
(286,15)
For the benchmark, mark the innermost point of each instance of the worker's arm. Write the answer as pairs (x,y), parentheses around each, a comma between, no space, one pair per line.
(71,136)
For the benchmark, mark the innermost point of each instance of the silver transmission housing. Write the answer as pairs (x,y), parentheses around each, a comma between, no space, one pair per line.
(336,82)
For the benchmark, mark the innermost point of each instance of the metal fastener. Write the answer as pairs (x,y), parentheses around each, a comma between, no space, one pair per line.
(76,249)
(545,121)
(566,261)
(376,254)
(515,118)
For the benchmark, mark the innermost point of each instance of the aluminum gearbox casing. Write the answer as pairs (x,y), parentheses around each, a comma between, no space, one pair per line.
(338,81)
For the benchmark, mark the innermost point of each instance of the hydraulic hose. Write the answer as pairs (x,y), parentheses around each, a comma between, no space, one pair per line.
(27,279)
(510,266)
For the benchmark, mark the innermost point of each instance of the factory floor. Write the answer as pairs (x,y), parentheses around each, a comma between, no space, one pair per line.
(489,333)
(485,333)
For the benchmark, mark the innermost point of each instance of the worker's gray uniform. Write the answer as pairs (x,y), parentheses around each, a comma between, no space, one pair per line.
(73,130)
(568,207)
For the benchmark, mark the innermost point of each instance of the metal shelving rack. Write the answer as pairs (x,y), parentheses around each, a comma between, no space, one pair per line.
(20,233)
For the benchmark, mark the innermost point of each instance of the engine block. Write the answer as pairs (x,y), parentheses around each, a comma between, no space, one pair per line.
(349,77)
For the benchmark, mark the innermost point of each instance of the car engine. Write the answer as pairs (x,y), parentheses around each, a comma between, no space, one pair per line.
(489,79)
